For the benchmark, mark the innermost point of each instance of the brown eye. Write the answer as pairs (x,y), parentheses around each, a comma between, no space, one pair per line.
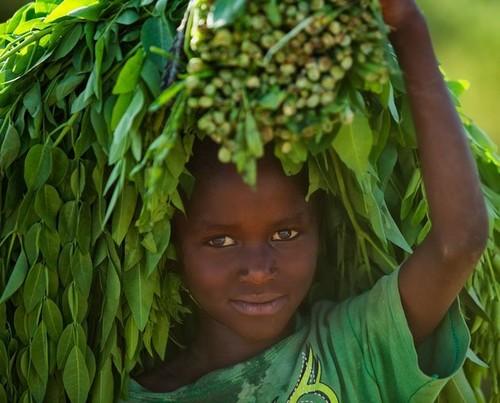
(221,242)
(284,235)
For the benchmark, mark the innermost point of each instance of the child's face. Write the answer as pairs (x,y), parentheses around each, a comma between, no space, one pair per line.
(237,244)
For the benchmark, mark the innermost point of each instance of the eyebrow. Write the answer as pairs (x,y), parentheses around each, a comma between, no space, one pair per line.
(208,225)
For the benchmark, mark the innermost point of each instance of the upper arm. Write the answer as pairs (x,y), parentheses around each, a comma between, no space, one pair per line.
(430,280)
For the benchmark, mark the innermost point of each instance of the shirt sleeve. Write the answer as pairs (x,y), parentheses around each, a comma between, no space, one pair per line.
(404,373)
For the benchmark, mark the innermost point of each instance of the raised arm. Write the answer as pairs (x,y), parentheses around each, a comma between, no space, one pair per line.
(433,276)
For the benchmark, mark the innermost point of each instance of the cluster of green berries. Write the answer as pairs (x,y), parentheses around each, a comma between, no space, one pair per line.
(285,62)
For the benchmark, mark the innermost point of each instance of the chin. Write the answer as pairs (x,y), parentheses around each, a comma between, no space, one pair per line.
(268,330)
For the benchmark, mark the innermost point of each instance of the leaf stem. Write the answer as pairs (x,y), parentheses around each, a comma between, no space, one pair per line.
(66,128)
(34,38)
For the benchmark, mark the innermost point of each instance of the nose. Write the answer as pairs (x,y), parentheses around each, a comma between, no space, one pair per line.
(258,264)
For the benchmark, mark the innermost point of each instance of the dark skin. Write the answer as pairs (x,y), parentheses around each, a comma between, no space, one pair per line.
(434,274)
(430,279)
(234,242)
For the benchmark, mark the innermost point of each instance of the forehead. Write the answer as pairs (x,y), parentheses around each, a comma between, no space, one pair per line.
(221,195)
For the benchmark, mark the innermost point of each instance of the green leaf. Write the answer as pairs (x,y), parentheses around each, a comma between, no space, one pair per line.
(68,85)
(68,43)
(33,99)
(77,181)
(47,205)
(66,343)
(76,377)
(161,238)
(120,136)
(60,165)
(161,331)
(32,243)
(73,298)
(252,135)
(353,144)
(119,109)
(273,99)
(86,9)
(37,166)
(316,180)
(94,82)
(129,74)
(133,250)
(410,194)
(392,231)
(104,384)
(471,355)
(10,147)
(479,137)
(3,395)
(151,76)
(34,287)
(82,270)
(273,13)
(224,12)
(4,360)
(83,235)
(39,352)
(127,17)
(459,390)
(91,363)
(68,218)
(50,245)
(374,212)
(37,386)
(124,213)
(166,96)
(16,278)
(111,302)
(139,293)
(156,32)
(52,317)
(131,335)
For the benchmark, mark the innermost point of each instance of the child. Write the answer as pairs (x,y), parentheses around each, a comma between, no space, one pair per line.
(248,258)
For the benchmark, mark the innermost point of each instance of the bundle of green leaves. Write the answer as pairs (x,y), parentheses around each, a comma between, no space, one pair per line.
(93,158)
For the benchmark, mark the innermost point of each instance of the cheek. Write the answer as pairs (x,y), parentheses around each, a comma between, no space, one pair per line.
(203,273)
(299,259)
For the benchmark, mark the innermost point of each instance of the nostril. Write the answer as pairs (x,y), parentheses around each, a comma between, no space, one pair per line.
(258,276)
(258,273)
(258,263)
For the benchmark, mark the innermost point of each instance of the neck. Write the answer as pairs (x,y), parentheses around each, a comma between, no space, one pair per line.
(215,347)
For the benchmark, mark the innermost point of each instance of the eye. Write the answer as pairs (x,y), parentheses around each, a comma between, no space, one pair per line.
(284,235)
(221,241)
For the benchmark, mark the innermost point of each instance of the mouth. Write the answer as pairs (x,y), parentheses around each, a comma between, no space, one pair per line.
(258,305)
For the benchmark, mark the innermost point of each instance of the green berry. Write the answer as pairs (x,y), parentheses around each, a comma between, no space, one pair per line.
(286,147)
(224,155)
(313,101)
(195,65)
(206,102)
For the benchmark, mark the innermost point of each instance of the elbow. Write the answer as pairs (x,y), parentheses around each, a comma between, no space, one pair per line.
(467,251)
(468,244)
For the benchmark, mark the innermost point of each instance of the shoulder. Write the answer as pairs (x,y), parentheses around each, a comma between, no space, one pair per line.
(353,313)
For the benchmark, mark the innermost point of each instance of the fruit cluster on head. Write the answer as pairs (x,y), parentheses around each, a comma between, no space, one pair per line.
(284,63)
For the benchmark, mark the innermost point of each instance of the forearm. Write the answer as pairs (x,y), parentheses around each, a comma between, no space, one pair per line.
(456,204)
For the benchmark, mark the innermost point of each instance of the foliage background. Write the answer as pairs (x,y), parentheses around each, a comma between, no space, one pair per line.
(128,328)
(467,40)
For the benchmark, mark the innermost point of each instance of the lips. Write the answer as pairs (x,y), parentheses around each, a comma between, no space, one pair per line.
(257,305)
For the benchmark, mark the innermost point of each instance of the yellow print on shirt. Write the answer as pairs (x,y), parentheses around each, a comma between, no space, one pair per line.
(309,387)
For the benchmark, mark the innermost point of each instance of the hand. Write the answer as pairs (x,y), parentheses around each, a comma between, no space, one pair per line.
(397,13)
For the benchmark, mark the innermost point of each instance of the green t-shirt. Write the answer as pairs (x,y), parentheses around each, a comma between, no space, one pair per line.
(360,350)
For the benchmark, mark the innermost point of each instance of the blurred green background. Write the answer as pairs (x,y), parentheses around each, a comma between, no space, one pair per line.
(466,35)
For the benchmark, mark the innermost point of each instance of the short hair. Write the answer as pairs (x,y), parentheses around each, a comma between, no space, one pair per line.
(205,159)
